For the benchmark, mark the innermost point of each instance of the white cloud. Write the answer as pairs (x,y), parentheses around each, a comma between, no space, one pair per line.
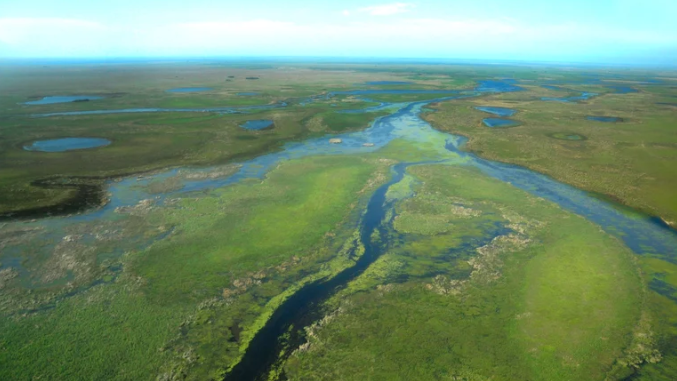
(387,9)
(346,12)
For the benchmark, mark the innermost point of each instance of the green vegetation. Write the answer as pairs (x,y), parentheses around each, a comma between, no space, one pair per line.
(395,98)
(150,141)
(230,253)
(473,279)
(553,298)
(630,161)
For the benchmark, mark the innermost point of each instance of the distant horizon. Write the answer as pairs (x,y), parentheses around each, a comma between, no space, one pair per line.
(332,60)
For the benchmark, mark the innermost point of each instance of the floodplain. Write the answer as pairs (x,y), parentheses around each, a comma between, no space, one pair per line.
(368,226)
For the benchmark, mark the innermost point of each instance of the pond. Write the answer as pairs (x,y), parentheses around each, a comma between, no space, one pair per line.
(568,136)
(499,123)
(63,99)
(189,89)
(582,97)
(257,124)
(622,89)
(248,94)
(499,111)
(607,119)
(66,144)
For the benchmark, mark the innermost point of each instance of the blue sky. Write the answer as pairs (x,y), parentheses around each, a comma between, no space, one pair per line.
(620,31)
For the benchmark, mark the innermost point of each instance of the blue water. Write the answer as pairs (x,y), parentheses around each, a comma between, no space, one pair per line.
(63,99)
(608,119)
(258,124)
(582,97)
(218,110)
(66,144)
(248,94)
(488,86)
(499,123)
(189,89)
(376,83)
(498,86)
(640,233)
(622,89)
(499,111)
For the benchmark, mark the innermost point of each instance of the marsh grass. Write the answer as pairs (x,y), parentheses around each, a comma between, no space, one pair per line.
(558,304)
(629,161)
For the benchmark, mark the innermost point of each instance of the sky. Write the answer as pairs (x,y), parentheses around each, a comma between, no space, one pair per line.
(604,31)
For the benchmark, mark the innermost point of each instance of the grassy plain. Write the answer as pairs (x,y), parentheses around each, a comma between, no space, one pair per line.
(189,301)
(148,141)
(481,282)
(551,298)
(629,161)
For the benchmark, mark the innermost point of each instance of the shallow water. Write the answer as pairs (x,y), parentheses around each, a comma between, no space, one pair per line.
(642,234)
(189,89)
(622,89)
(499,123)
(257,124)
(499,111)
(63,99)
(607,119)
(217,110)
(567,136)
(66,144)
(583,97)
(248,94)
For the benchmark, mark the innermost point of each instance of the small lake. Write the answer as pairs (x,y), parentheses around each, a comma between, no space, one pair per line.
(499,111)
(66,144)
(258,124)
(63,99)
(248,94)
(622,89)
(377,83)
(499,123)
(189,89)
(568,136)
(582,97)
(607,119)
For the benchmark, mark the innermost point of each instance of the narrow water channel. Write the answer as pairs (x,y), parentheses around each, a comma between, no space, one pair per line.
(283,332)
(270,346)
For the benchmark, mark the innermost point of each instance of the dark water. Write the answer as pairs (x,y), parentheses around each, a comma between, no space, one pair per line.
(582,97)
(643,235)
(63,99)
(499,123)
(189,89)
(499,111)
(66,144)
(248,94)
(622,89)
(303,307)
(498,86)
(607,119)
(257,124)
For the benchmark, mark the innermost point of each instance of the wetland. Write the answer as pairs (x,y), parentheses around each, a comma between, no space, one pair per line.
(218,253)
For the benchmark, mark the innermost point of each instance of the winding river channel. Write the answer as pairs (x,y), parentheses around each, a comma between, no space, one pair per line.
(644,235)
